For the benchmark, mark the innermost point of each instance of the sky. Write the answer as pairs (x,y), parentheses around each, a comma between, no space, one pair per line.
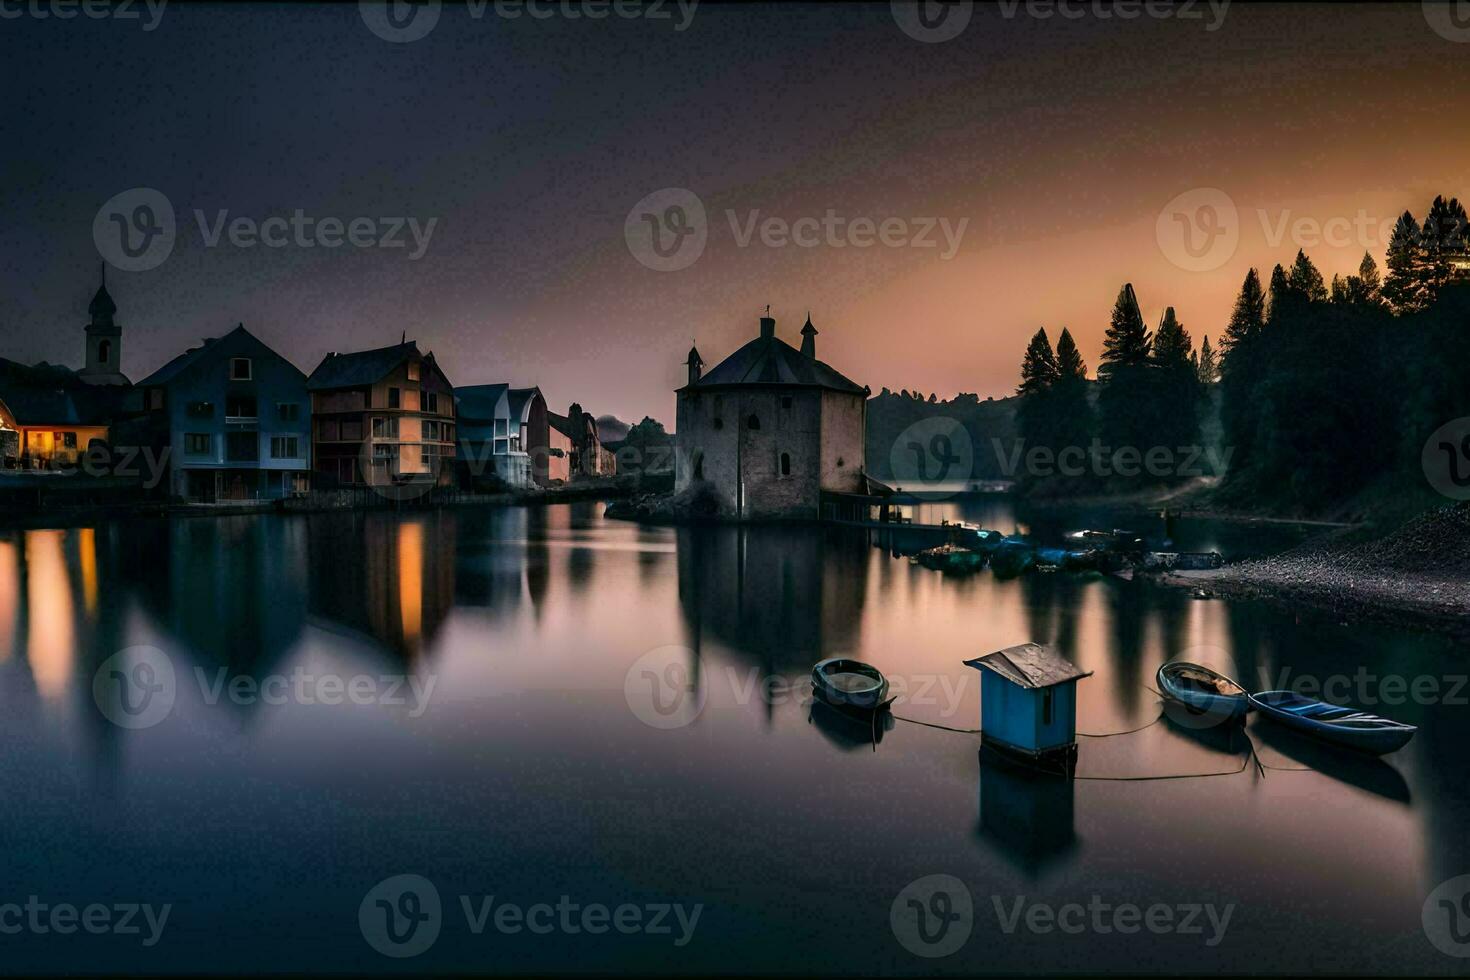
(1020,170)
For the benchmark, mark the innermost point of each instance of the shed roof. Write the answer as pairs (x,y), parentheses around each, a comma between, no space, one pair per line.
(1030,665)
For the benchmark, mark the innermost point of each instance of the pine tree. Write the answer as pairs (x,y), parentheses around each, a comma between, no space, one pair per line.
(1248,318)
(1127,342)
(1070,365)
(1207,366)
(1039,366)
(1171,343)
(1371,282)
(1403,288)
(1306,280)
(1278,297)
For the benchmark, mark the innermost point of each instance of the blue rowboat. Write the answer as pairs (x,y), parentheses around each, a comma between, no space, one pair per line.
(1208,695)
(1347,727)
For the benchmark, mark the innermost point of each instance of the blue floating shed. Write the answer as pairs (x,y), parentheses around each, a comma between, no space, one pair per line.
(1028,700)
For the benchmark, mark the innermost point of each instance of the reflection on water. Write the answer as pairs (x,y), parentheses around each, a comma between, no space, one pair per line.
(530,775)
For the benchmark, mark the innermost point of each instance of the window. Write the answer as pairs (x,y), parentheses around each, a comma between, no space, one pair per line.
(413,370)
(431,431)
(240,407)
(753,422)
(352,430)
(1046,710)
(104,351)
(240,369)
(198,444)
(395,398)
(288,411)
(430,401)
(502,446)
(242,447)
(385,428)
(68,440)
(501,427)
(785,464)
(155,399)
(384,452)
(285,447)
(786,401)
(328,430)
(719,423)
(200,410)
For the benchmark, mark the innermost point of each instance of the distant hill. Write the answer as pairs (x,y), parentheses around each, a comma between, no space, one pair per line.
(610,428)
(908,431)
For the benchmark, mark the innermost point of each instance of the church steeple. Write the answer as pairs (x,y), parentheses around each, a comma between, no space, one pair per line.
(104,339)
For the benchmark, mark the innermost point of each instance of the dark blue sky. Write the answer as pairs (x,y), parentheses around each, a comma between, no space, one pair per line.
(528,141)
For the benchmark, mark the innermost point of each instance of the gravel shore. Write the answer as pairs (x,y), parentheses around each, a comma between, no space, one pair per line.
(1418,574)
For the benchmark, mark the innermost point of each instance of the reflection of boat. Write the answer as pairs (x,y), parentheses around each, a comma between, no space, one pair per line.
(1012,556)
(849,729)
(850,685)
(951,558)
(1224,739)
(1365,772)
(1332,723)
(1208,694)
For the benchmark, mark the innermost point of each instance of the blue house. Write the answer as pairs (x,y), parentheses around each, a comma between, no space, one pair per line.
(235,418)
(1028,700)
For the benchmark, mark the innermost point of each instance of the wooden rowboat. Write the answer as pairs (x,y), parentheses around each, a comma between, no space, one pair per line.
(1207,694)
(1333,723)
(850,684)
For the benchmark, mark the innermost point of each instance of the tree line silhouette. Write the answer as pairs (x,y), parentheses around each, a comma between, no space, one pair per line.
(1314,392)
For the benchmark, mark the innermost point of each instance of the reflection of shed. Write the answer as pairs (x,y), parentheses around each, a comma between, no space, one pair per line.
(1028,700)
(1025,814)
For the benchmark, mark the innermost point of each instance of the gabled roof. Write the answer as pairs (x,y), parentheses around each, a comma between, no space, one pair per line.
(1030,665)
(362,367)
(237,339)
(772,361)
(477,403)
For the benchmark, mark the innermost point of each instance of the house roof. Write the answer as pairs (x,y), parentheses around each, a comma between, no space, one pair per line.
(1030,665)
(772,361)
(478,402)
(362,367)
(519,398)
(561,423)
(195,355)
(34,405)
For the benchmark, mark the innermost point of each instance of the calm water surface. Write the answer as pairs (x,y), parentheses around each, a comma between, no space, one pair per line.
(586,719)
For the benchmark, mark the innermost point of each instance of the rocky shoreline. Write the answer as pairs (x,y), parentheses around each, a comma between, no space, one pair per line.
(1418,575)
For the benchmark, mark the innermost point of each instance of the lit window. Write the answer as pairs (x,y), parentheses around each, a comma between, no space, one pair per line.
(413,370)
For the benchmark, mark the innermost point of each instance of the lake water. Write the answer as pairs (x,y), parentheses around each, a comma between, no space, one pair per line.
(258,720)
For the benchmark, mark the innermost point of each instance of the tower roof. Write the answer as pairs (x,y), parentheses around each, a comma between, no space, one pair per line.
(808,329)
(772,361)
(694,357)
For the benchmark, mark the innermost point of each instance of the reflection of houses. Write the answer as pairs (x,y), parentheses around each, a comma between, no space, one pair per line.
(50,414)
(234,418)
(764,433)
(381,417)
(377,576)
